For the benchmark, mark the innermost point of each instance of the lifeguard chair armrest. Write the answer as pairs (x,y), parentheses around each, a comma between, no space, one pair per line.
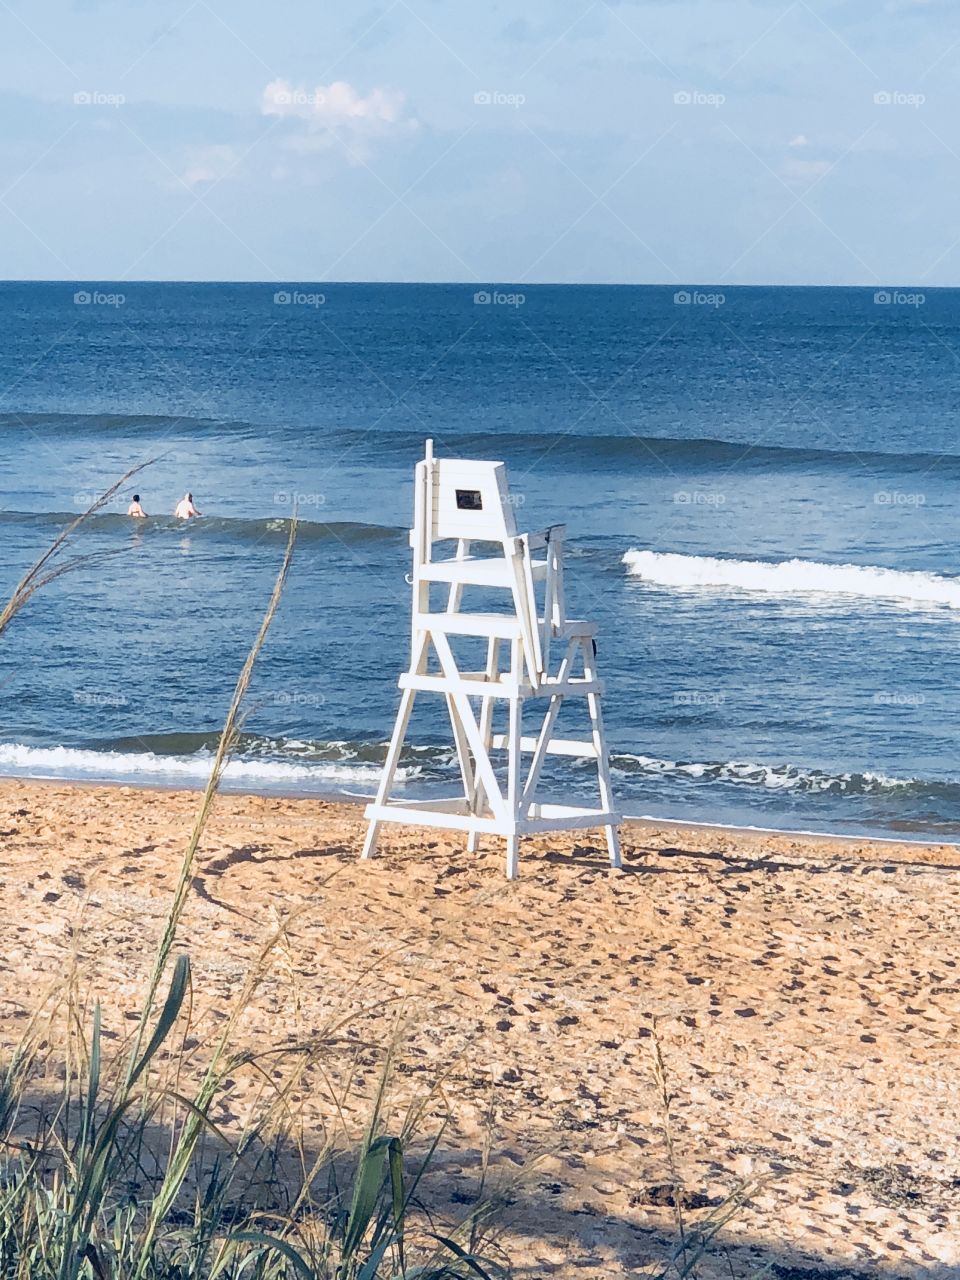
(555,533)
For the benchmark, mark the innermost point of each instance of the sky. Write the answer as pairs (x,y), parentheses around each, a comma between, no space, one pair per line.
(612,141)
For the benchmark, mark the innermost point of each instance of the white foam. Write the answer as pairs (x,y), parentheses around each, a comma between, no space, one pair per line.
(779,777)
(130,766)
(71,762)
(790,577)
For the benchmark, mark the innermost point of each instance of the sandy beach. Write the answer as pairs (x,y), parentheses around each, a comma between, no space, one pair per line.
(805,994)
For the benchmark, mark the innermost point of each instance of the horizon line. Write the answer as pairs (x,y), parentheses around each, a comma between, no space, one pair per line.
(476,284)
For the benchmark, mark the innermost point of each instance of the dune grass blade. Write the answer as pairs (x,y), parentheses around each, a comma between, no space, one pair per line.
(470,1262)
(225,745)
(272,1244)
(398,1198)
(97,1142)
(366,1196)
(168,1016)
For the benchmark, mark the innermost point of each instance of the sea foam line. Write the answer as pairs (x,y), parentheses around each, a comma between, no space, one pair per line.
(790,577)
(74,762)
(772,777)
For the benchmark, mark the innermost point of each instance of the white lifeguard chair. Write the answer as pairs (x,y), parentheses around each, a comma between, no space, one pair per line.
(532,651)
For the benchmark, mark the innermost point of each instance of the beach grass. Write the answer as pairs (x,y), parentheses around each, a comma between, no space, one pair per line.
(120,1170)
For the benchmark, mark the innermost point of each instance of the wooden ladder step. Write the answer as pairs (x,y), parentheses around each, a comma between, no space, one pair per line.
(502,625)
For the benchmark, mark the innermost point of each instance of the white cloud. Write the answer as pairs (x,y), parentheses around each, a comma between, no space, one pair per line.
(799,141)
(209,164)
(337,113)
(337,104)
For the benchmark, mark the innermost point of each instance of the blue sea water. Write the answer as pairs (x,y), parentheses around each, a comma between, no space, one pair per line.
(760,489)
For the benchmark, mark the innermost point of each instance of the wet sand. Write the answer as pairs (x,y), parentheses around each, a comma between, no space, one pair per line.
(804,992)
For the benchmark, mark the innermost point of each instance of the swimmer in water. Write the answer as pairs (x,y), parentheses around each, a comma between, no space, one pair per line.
(185,508)
(135,508)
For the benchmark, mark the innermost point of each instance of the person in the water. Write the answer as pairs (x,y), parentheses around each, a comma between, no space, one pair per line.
(185,508)
(135,508)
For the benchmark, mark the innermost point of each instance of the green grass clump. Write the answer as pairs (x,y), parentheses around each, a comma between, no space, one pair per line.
(117,1173)
(121,1173)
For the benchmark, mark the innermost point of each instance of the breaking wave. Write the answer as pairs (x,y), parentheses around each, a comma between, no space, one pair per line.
(780,777)
(257,765)
(270,764)
(791,577)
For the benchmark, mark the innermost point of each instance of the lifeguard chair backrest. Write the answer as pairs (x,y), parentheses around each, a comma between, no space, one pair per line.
(470,500)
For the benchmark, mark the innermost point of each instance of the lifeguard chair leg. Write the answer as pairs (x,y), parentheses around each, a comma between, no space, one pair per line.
(389,768)
(492,672)
(463,754)
(603,761)
(514,796)
(513,857)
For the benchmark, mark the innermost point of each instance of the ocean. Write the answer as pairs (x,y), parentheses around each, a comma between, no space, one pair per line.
(760,487)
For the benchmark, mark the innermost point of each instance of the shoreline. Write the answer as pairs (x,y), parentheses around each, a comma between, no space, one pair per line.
(642,822)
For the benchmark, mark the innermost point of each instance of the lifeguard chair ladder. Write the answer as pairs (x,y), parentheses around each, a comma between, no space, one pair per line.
(532,652)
